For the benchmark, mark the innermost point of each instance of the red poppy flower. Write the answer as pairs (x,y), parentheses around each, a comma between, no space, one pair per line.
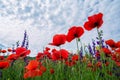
(12,57)
(55,55)
(52,71)
(70,63)
(42,68)
(114,57)
(33,64)
(4,64)
(58,40)
(9,49)
(47,54)
(1,57)
(111,43)
(22,52)
(53,50)
(39,56)
(75,57)
(47,49)
(118,44)
(94,21)
(62,54)
(3,51)
(106,51)
(32,73)
(74,32)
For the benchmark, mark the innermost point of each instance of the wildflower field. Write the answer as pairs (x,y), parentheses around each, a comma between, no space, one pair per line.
(99,60)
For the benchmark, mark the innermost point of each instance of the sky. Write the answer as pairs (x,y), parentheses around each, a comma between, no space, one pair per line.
(42,19)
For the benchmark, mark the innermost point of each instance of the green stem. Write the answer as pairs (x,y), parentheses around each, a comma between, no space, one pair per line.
(77,45)
(60,62)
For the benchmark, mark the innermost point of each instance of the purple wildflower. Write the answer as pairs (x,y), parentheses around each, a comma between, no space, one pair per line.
(27,43)
(81,53)
(24,39)
(93,45)
(90,49)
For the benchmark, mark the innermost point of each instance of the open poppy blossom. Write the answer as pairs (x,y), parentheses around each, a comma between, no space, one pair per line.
(3,51)
(58,40)
(75,57)
(22,52)
(62,54)
(111,43)
(94,21)
(55,55)
(12,57)
(106,51)
(4,64)
(32,73)
(1,57)
(33,64)
(74,32)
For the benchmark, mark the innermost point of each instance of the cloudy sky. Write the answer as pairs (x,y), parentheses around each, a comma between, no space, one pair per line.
(44,18)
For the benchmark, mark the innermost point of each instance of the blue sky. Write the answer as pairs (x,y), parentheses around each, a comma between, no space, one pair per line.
(44,18)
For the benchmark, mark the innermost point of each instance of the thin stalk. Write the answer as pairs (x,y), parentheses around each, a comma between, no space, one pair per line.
(77,45)
(60,62)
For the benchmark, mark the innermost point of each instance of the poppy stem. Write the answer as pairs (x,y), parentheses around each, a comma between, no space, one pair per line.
(77,45)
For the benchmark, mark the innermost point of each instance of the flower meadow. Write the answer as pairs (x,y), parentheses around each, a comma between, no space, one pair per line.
(99,60)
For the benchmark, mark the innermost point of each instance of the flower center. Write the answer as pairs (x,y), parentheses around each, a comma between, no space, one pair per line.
(96,24)
(75,35)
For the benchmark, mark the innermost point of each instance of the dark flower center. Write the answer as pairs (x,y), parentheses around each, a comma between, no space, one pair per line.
(96,24)
(75,35)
